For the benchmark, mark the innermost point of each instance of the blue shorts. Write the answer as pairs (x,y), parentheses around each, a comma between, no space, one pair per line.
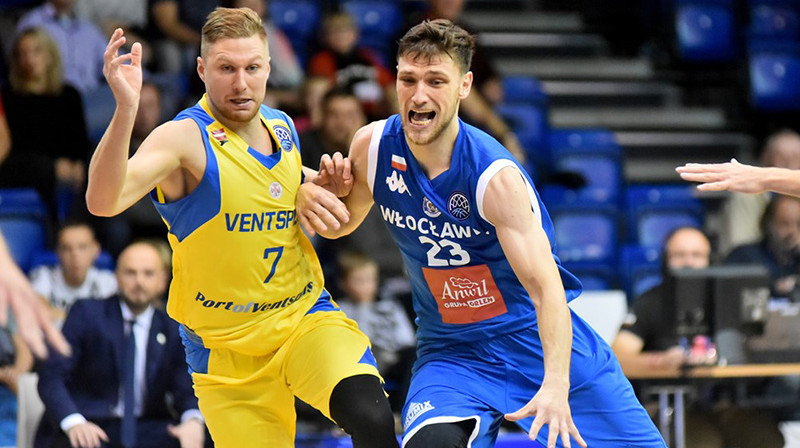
(486,379)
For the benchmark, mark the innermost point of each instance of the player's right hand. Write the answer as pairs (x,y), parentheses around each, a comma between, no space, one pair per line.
(319,210)
(124,79)
(86,435)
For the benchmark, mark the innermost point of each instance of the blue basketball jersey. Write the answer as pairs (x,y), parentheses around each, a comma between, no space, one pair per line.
(462,285)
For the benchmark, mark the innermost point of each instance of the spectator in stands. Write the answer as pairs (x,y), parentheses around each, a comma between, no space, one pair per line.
(742,212)
(779,248)
(15,359)
(354,67)
(45,119)
(74,277)
(383,320)
(108,15)
(314,88)
(179,23)
(90,399)
(487,89)
(80,42)
(645,345)
(342,116)
(285,75)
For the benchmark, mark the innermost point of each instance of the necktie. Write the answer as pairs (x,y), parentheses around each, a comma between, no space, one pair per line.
(128,429)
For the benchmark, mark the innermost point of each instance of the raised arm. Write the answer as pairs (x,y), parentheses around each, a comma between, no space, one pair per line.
(741,178)
(508,207)
(114,182)
(320,211)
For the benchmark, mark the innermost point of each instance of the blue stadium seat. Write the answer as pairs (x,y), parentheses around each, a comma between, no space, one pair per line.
(300,20)
(379,23)
(585,234)
(654,210)
(601,170)
(774,20)
(583,139)
(593,276)
(705,30)
(522,117)
(775,76)
(523,89)
(22,220)
(640,269)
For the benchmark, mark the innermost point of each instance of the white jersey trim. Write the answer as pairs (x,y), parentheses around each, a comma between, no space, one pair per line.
(372,154)
(446,419)
(489,173)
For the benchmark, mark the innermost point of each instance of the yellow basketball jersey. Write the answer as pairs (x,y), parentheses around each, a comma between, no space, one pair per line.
(244,273)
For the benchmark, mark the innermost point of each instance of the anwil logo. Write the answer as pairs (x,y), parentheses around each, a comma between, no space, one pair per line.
(396,183)
(415,410)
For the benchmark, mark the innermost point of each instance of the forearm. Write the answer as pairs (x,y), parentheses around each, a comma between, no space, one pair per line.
(555,331)
(108,166)
(781,180)
(647,364)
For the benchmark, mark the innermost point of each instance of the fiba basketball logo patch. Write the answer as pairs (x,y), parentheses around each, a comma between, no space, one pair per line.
(284,137)
(429,208)
(458,205)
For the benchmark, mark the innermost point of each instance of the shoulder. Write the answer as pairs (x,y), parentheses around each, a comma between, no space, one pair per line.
(361,140)
(175,134)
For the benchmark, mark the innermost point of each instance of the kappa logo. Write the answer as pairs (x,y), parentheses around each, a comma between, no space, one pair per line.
(415,410)
(429,208)
(458,205)
(396,183)
(284,136)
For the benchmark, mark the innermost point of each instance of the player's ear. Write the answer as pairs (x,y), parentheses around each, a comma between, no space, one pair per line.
(466,85)
(201,68)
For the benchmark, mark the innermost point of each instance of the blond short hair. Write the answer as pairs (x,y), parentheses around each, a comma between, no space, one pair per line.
(230,23)
(54,74)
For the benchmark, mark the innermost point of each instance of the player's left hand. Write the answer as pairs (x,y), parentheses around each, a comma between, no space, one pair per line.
(335,174)
(550,407)
(190,434)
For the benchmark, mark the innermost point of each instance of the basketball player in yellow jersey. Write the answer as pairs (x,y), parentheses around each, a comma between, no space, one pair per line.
(257,325)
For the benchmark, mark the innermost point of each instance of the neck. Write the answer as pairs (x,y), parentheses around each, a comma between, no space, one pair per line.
(137,310)
(74,280)
(35,86)
(435,157)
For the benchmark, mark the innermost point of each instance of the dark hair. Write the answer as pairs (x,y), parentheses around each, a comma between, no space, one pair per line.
(338,92)
(72,224)
(352,260)
(433,37)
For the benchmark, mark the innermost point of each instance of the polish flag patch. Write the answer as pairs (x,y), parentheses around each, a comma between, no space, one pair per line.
(398,162)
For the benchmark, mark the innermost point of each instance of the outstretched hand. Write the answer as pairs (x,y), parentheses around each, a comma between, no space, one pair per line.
(335,174)
(125,80)
(549,406)
(33,318)
(732,176)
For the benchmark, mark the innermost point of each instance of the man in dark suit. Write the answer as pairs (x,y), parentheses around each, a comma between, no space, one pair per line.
(84,394)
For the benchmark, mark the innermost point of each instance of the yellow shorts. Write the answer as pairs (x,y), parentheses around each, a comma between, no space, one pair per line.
(248,401)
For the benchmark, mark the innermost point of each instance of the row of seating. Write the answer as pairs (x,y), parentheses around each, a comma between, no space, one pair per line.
(706,31)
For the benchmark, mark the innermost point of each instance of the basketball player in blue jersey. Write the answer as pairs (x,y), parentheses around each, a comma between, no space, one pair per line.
(257,324)
(496,337)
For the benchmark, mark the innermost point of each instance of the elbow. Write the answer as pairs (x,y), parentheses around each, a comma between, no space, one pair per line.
(96,207)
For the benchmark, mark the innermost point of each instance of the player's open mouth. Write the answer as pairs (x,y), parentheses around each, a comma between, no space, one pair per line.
(240,102)
(420,118)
